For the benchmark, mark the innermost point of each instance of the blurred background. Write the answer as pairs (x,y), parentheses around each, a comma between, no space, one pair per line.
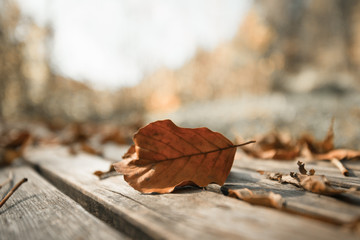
(238,67)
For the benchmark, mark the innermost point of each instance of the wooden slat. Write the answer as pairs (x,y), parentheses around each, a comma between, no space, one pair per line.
(37,210)
(189,213)
(298,200)
(321,168)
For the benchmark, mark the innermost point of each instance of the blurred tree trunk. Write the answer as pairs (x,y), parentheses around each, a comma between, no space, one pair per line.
(12,83)
(319,33)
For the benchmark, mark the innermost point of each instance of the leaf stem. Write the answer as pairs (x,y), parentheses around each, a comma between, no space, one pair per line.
(216,150)
(12,191)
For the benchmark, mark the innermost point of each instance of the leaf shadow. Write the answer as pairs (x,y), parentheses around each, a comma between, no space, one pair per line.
(16,203)
(187,189)
(351,172)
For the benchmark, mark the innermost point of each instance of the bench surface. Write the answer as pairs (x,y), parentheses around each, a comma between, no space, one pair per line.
(64,200)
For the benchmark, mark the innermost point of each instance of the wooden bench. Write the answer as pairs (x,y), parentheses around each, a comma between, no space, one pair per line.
(61,210)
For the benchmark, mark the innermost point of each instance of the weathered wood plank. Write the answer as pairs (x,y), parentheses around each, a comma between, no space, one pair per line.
(37,210)
(321,168)
(297,200)
(187,213)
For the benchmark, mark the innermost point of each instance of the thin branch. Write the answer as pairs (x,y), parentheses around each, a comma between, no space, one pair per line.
(12,191)
(340,166)
(10,177)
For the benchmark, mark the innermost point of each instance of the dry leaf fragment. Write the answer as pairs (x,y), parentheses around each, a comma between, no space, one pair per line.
(338,154)
(316,184)
(167,156)
(267,199)
(281,178)
(302,169)
(274,146)
(323,146)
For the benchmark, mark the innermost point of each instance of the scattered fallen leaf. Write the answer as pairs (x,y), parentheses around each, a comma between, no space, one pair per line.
(12,145)
(338,154)
(274,146)
(281,147)
(317,184)
(323,146)
(308,181)
(267,199)
(281,178)
(167,156)
(115,136)
(302,169)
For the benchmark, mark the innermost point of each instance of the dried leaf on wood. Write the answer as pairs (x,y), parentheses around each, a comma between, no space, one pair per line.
(274,146)
(167,156)
(281,178)
(302,169)
(267,199)
(312,183)
(323,146)
(115,136)
(317,184)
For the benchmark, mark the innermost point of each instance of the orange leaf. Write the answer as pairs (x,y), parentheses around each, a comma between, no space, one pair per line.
(167,156)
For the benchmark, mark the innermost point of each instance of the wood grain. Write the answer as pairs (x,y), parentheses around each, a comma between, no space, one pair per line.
(185,214)
(298,200)
(37,210)
(321,168)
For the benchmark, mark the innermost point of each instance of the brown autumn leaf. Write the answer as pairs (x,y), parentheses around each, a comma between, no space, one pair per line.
(274,146)
(167,156)
(267,199)
(316,147)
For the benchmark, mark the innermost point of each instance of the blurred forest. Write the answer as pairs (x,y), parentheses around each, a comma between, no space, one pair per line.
(281,46)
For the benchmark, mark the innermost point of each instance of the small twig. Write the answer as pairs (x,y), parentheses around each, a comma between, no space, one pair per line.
(340,166)
(12,191)
(10,177)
